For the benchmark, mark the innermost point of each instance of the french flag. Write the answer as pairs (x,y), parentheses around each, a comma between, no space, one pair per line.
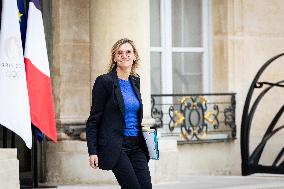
(38,74)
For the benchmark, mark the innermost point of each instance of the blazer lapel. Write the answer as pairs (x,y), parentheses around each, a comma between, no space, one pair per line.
(117,92)
(138,95)
(137,92)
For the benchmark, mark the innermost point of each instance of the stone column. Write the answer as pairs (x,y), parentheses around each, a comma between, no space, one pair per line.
(70,66)
(70,73)
(112,20)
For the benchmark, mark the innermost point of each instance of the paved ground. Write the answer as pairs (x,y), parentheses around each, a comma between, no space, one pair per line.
(210,182)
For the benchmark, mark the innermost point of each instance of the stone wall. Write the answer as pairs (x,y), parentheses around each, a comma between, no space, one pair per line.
(245,35)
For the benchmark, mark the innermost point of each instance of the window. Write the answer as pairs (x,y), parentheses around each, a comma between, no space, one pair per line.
(179,39)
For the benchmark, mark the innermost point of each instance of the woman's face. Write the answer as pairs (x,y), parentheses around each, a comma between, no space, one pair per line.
(124,56)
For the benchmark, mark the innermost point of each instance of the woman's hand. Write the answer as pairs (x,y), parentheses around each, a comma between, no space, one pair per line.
(94,162)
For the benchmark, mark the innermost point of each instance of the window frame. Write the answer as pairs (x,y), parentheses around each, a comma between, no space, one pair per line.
(166,49)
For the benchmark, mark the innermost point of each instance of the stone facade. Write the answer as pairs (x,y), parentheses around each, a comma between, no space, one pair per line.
(244,34)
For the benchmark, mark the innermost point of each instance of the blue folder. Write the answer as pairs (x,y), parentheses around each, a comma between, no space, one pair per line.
(150,136)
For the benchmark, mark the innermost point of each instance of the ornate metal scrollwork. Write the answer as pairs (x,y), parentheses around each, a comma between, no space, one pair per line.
(193,117)
(229,114)
(175,118)
(156,114)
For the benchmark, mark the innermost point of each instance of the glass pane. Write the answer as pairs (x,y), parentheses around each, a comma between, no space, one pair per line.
(155,73)
(155,25)
(187,23)
(187,72)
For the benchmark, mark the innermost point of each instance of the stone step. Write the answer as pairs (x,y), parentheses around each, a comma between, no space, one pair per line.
(9,169)
(207,182)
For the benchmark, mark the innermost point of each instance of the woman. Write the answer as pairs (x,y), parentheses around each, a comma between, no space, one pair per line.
(114,131)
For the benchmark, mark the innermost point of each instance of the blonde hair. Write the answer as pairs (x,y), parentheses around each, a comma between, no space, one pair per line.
(116,46)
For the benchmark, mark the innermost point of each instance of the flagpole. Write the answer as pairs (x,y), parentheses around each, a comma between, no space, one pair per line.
(35,167)
(4,137)
(13,140)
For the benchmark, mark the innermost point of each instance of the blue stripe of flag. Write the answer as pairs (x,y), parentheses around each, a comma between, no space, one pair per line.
(22,6)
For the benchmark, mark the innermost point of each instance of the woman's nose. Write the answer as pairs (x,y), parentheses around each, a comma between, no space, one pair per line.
(124,55)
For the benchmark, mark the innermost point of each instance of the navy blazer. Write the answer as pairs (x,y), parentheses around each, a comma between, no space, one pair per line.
(106,123)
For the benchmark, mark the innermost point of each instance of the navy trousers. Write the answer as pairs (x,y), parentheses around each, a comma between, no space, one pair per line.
(132,171)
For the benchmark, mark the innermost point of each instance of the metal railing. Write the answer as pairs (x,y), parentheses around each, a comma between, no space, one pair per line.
(195,117)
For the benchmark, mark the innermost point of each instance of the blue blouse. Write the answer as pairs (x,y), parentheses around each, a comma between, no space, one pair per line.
(132,105)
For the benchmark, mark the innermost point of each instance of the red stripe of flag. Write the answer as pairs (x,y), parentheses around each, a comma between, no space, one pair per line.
(41,102)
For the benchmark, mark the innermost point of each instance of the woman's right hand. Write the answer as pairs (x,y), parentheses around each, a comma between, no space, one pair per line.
(94,162)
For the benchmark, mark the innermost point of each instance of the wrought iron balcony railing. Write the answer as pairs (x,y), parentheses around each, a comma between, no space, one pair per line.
(195,117)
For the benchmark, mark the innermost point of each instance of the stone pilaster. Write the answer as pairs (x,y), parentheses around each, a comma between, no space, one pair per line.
(71,62)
